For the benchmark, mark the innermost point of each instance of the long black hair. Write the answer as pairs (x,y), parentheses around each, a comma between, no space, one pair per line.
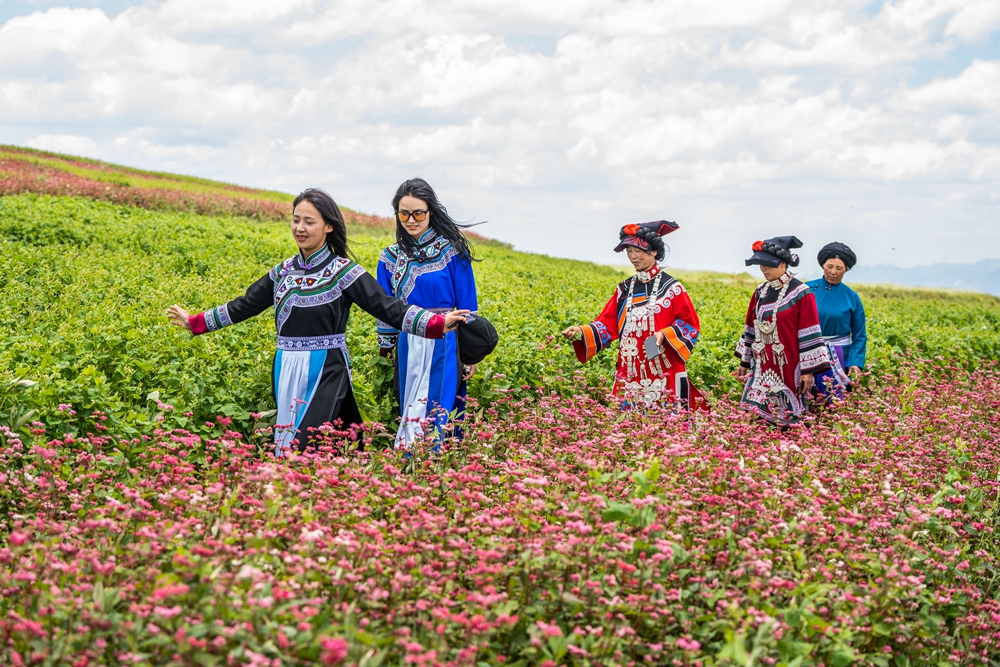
(336,240)
(440,221)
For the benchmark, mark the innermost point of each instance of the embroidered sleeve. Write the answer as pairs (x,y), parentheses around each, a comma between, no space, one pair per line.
(744,351)
(813,354)
(257,299)
(386,333)
(859,335)
(600,333)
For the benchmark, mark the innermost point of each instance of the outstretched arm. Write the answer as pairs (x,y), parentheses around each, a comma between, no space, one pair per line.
(590,339)
(257,299)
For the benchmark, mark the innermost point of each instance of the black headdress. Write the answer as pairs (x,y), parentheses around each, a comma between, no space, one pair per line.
(646,236)
(773,252)
(839,251)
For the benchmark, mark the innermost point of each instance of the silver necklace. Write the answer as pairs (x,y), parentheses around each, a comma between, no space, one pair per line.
(766,331)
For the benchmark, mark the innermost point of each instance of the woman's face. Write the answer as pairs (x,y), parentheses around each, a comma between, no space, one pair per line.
(773,273)
(641,259)
(309,228)
(834,270)
(411,208)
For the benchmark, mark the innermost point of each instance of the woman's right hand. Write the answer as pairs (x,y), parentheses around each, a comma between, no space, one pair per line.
(179,317)
(742,373)
(453,319)
(573,333)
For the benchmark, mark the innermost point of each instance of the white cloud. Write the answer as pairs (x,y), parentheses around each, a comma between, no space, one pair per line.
(977,86)
(739,118)
(66,143)
(974,20)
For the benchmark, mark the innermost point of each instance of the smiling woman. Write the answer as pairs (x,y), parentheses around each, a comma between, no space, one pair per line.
(312,294)
(430,265)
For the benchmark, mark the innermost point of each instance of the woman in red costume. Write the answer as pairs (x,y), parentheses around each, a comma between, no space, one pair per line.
(652,317)
(782,347)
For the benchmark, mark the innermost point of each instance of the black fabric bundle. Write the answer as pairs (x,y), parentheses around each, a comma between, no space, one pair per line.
(477,338)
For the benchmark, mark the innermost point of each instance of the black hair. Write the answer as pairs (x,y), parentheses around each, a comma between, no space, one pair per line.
(336,240)
(784,254)
(440,221)
(654,240)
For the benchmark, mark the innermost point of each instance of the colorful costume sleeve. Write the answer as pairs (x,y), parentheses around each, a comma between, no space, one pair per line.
(387,334)
(600,333)
(258,298)
(859,336)
(814,356)
(744,351)
(682,333)
(465,284)
(369,295)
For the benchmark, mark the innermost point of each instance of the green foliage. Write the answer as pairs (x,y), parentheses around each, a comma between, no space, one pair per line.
(86,285)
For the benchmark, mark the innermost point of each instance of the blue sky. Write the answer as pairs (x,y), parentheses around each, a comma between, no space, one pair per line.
(876,124)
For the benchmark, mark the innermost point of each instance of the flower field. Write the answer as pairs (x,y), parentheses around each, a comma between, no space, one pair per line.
(143,522)
(567,533)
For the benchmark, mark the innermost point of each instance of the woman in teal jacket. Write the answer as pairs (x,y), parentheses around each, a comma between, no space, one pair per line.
(842,319)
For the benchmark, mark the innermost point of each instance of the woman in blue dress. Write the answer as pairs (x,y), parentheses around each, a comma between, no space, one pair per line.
(429,266)
(312,294)
(842,318)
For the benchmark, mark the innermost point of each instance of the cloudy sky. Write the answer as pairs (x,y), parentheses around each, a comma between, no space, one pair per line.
(873,123)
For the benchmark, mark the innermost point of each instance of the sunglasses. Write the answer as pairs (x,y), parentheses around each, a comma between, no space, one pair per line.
(404,216)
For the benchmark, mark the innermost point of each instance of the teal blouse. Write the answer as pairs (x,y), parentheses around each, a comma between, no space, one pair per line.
(841,314)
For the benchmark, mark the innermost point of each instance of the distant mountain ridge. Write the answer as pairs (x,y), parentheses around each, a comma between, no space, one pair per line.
(982,276)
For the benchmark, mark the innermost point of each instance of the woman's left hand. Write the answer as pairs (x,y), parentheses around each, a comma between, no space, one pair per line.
(855,373)
(661,339)
(470,370)
(806,382)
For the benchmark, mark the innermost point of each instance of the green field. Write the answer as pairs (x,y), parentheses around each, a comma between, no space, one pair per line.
(143,522)
(86,284)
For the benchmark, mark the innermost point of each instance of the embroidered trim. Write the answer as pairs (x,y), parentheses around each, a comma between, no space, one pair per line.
(407,270)
(416,320)
(315,259)
(218,318)
(673,290)
(814,358)
(791,297)
(839,341)
(603,334)
(304,290)
(810,331)
(309,343)
(387,340)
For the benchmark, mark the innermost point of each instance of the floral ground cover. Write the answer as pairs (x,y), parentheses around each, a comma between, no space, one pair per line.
(567,533)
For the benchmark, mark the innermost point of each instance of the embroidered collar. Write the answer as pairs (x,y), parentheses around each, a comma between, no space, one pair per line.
(430,245)
(427,236)
(315,259)
(646,276)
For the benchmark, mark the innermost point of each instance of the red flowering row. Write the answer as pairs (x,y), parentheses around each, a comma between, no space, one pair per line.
(569,533)
(21,176)
(22,172)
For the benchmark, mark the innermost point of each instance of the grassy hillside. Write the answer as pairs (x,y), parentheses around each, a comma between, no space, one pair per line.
(86,284)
